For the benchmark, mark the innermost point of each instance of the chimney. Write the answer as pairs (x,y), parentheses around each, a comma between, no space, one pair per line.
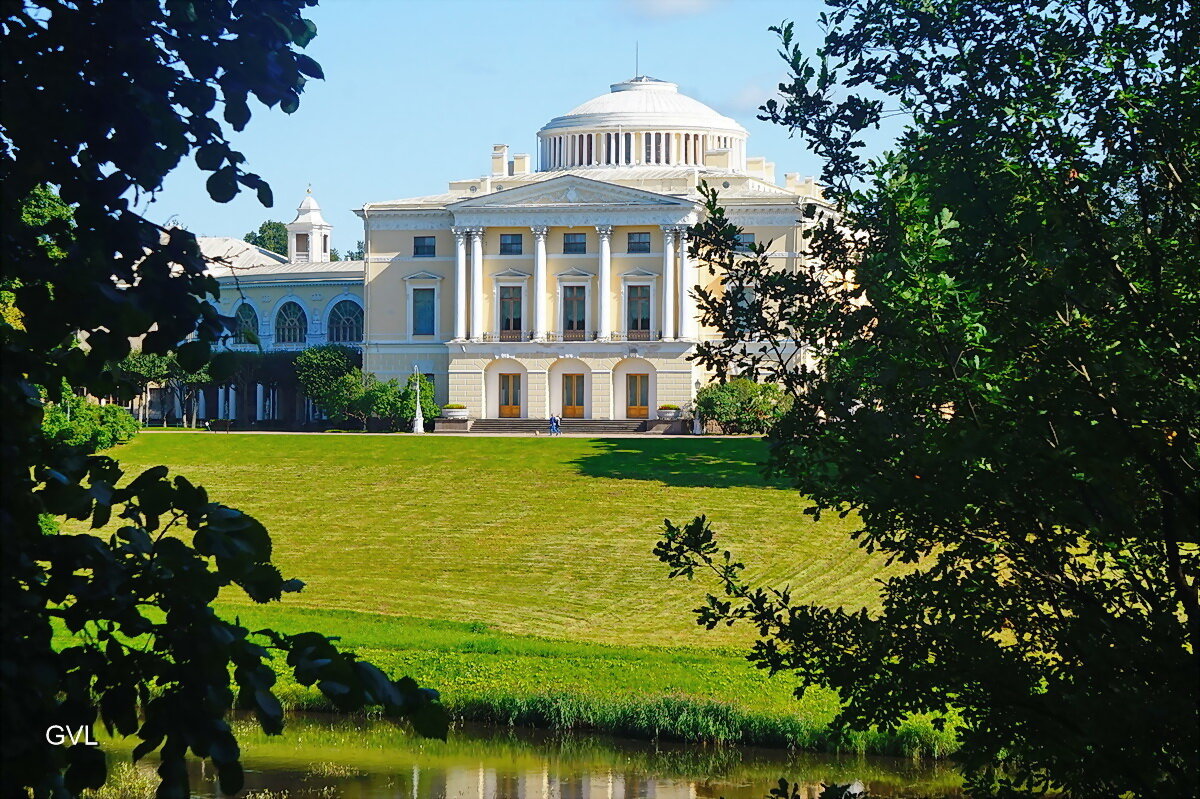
(520,164)
(499,159)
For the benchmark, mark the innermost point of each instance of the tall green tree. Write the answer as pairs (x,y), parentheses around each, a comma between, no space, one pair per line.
(994,366)
(128,91)
(271,235)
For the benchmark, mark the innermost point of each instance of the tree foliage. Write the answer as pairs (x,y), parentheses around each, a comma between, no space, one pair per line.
(271,235)
(102,101)
(1004,318)
(741,406)
(320,372)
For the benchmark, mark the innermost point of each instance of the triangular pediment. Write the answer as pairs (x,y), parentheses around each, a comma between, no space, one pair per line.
(571,191)
(512,273)
(423,276)
(575,272)
(639,273)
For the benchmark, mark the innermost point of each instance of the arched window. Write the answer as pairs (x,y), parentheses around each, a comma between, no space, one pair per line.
(247,324)
(346,322)
(291,324)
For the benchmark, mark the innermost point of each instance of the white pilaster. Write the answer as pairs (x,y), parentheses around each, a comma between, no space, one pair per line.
(476,282)
(460,282)
(539,281)
(604,289)
(668,294)
(687,281)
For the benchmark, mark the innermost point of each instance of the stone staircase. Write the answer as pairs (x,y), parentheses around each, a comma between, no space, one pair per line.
(592,427)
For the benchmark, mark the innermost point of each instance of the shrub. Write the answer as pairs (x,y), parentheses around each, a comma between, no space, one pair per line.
(742,406)
(79,422)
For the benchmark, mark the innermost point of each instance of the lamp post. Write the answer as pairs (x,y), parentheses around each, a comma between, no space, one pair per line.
(418,417)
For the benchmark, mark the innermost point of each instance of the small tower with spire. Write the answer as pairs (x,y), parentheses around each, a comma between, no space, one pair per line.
(308,233)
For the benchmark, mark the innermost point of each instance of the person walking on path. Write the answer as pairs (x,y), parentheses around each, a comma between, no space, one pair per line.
(554,426)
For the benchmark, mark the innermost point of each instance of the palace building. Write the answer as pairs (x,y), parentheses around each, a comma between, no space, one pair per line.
(560,284)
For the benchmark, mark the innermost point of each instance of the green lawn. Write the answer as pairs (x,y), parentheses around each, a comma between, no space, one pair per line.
(549,537)
(515,574)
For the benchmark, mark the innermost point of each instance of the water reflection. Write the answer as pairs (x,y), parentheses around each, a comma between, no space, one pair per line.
(329,757)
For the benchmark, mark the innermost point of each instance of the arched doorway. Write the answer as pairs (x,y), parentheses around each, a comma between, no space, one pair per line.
(634,388)
(506,389)
(570,388)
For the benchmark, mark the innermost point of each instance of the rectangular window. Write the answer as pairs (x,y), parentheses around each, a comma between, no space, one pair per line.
(302,243)
(424,246)
(422,312)
(639,242)
(510,313)
(745,242)
(637,302)
(574,312)
(510,243)
(574,243)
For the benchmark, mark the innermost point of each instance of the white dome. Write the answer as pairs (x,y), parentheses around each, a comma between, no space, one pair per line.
(644,102)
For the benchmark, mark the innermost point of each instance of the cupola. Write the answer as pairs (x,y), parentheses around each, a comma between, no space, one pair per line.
(308,233)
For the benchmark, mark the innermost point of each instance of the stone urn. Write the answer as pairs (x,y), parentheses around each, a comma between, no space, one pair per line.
(669,414)
(454,413)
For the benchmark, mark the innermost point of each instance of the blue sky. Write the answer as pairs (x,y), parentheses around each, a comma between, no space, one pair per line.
(416,93)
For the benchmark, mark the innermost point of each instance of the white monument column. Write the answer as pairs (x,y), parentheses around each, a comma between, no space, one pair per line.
(539,281)
(604,289)
(668,285)
(687,281)
(476,282)
(460,282)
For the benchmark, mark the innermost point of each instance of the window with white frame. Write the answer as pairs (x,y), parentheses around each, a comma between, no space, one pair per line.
(574,311)
(424,246)
(247,324)
(511,243)
(574,243)
(423,304)
(638,242)
(637,311)
(346,322)
(291,324)
(745,242)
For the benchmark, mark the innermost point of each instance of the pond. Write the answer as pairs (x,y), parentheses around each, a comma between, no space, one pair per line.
(325,757)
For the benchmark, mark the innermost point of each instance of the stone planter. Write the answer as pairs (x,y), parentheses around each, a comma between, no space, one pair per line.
(669,414)
(454,413)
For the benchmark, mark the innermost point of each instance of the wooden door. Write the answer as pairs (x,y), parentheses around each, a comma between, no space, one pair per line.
(572,397)
(637,396)
(510,396)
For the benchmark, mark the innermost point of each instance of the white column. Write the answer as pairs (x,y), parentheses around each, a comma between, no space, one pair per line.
(476,282)
(260,406)
(460,282)
(668,293)
(687,281)
(201,410)
(222,403)
(232,402)
(539,281)
(604,289)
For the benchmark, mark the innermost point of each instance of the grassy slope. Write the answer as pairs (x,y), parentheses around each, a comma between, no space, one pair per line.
(515,574)
(539,536)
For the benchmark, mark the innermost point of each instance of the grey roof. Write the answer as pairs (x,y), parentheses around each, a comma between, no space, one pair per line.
(234,258)
(234,253)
